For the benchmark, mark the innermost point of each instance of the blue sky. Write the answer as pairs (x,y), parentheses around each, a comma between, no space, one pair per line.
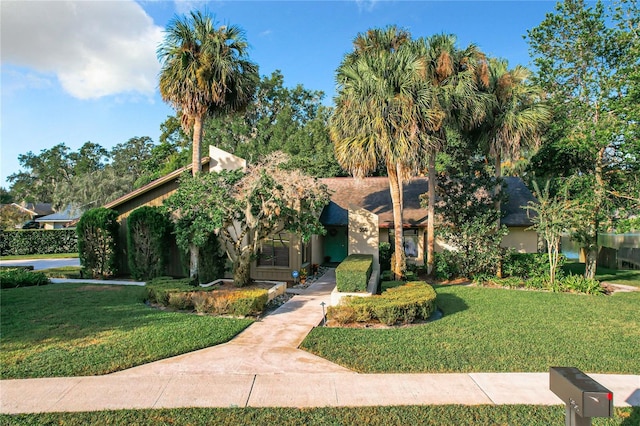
(78,71)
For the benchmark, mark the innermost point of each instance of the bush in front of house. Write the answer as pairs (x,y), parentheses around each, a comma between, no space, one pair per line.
(148,230)
(21,277)
(405,303)
(527,265)
(97,241)
(579,284)
(21,242)
(181,295)
(352,275)
(212,260)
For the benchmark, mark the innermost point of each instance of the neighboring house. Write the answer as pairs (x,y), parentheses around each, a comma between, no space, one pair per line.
(357,219)
(35,210)
(59,220)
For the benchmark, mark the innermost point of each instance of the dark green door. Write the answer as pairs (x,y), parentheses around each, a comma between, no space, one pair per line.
(336,244)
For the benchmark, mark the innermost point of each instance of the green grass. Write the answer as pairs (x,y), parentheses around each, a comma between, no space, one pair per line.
(491,329)
(40,256)
(615,276)
(79,329)
(479,415)
(63,272)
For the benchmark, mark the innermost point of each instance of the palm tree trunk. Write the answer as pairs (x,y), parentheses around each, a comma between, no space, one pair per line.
(498,166)
(431,212)
(196,167)
(394,189)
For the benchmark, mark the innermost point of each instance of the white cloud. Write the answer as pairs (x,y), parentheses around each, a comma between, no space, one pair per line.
(366,5)
(95,48)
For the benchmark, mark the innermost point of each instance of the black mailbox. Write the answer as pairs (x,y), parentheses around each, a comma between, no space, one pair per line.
(581,394)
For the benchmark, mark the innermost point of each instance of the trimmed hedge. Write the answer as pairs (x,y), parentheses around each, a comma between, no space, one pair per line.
(97,241)
(353,274)
(37,241)
(406,303)
(180,294)
(21,277)
(148,230)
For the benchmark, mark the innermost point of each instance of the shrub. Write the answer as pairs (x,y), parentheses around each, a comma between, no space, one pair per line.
(353,274)
(406,303)
(148,229)
(20,277)
(212,260)
(445,266)
(97,241)
(38,241)
(247,302)
(180,300)
(527,265)
(580,284)
(158,289)
(384,253)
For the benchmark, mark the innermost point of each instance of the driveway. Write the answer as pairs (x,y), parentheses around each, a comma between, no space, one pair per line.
(42,263)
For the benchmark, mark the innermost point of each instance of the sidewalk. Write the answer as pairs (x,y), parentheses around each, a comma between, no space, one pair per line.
(262,367)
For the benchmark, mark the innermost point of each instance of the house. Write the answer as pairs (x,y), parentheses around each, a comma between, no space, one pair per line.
(59,220)
(357,219)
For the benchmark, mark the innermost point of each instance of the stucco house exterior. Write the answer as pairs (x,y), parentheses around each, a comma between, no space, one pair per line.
(357,219)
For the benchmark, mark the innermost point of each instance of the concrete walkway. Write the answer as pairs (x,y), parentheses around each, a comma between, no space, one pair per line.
(262,367)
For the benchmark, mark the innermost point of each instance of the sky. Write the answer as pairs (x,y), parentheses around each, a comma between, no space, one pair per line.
(78,71)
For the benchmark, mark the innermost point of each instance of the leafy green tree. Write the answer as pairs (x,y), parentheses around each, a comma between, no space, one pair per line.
(11,216)
(587,61)
(205,71)
(245,209)
(292,120)
(5,196)
(552,217)
(379,112)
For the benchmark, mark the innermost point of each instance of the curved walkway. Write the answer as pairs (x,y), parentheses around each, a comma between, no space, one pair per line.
(262,367)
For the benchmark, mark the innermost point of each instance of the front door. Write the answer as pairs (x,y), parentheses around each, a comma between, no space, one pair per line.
(336,244)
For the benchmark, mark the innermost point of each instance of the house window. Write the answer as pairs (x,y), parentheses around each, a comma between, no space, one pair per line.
(410,237)
(275,252)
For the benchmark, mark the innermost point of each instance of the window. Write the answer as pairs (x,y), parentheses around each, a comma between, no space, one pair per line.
(275,252)
(410,237)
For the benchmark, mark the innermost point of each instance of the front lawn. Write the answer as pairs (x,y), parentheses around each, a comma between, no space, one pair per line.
(492,329)
(615,276)
(479,415)
(79,329)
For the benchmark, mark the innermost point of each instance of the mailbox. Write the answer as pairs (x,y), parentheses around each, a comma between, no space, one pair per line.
(581,394)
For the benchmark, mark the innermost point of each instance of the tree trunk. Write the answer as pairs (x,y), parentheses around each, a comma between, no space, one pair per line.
(431,212)
(394,188)
(591,262)
(194,257)
(498,175)
(242,269)
(197,141)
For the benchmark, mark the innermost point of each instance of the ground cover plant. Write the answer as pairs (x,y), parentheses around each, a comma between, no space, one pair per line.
(615,276)
(514,415)
(493,329)
(80,329)
(21,277)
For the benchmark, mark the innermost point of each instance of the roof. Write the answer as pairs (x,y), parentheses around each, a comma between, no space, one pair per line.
(373,195)
(35,209)
(153,184)
(66,215)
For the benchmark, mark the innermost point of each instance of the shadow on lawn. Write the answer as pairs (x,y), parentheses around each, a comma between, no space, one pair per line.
(450,304)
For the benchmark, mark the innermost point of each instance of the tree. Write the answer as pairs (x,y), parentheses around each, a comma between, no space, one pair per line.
(378,115)
(515,118)
(205,71)
(551,217)
(292,120)
(245,209)
(589,70)
(455,76)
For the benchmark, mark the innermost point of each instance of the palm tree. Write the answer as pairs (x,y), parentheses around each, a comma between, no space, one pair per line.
(205,71)
(378,114)
(515,117)
(455,77)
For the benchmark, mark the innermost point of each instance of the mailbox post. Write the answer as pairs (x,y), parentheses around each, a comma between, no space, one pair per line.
(584,397)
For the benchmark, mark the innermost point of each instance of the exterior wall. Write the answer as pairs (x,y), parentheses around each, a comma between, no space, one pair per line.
(281,273)
(521,240)
(364,235)
(222,160)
